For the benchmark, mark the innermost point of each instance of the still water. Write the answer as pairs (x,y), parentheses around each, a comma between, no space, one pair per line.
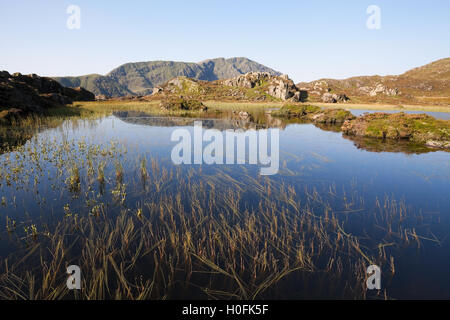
(351,176)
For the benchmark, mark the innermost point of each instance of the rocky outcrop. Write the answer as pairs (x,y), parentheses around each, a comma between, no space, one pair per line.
(183,85)
(248,80)
(419,128)
(19,95)
(382,89)
(22,94)
(280,87)
(44,85)
(334,98)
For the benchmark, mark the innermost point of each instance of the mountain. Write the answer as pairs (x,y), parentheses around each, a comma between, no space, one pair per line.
(139,78)
(429,84)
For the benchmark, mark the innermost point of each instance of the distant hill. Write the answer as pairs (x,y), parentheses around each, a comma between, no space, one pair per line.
(429,84)
(139,78)
(437,70)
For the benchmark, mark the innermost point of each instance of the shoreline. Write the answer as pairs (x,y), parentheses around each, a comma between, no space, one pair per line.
(381,107)
(347,106)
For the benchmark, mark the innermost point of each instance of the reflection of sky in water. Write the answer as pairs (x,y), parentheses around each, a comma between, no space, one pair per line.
(309,156)
(307,152)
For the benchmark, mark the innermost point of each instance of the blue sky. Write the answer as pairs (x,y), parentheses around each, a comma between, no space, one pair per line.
(306,39)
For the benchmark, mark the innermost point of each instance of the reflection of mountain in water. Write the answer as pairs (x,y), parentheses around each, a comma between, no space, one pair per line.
(11,137)
(222,121)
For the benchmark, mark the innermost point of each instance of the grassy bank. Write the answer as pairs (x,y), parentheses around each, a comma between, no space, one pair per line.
(382,107)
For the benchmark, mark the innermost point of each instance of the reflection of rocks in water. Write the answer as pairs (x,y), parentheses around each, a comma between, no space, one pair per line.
(220,121)
(329,127)
(389,145)
(13,138)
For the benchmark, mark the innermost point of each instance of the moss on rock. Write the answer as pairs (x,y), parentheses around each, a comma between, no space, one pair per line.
(174,104)
(414,127)
(315,114)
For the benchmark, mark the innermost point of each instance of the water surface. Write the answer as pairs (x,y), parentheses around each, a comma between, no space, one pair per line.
(316,162)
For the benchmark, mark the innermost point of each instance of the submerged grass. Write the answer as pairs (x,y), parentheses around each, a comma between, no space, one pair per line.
(187,233)
(144,229)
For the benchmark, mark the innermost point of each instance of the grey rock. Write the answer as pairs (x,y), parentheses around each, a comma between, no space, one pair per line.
(280,87)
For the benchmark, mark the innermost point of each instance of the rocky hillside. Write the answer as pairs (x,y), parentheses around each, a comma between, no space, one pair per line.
(252,86)
(141,77)
(23,94)
(429,84)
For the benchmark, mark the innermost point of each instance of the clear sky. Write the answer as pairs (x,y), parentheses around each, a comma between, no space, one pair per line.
(305,39)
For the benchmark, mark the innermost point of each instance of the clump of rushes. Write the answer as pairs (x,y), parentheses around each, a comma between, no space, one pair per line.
(119,193)
(144,167)
(10,225)
(67,212)
(31,231)
(96,211)
(119,172)
(101,172)
(74,179)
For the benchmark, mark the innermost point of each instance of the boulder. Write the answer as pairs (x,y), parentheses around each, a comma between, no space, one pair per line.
(157,90)
(101,97)
(334,98)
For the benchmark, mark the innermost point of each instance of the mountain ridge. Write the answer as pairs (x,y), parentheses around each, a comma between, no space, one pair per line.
(139,78)
(427,84)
